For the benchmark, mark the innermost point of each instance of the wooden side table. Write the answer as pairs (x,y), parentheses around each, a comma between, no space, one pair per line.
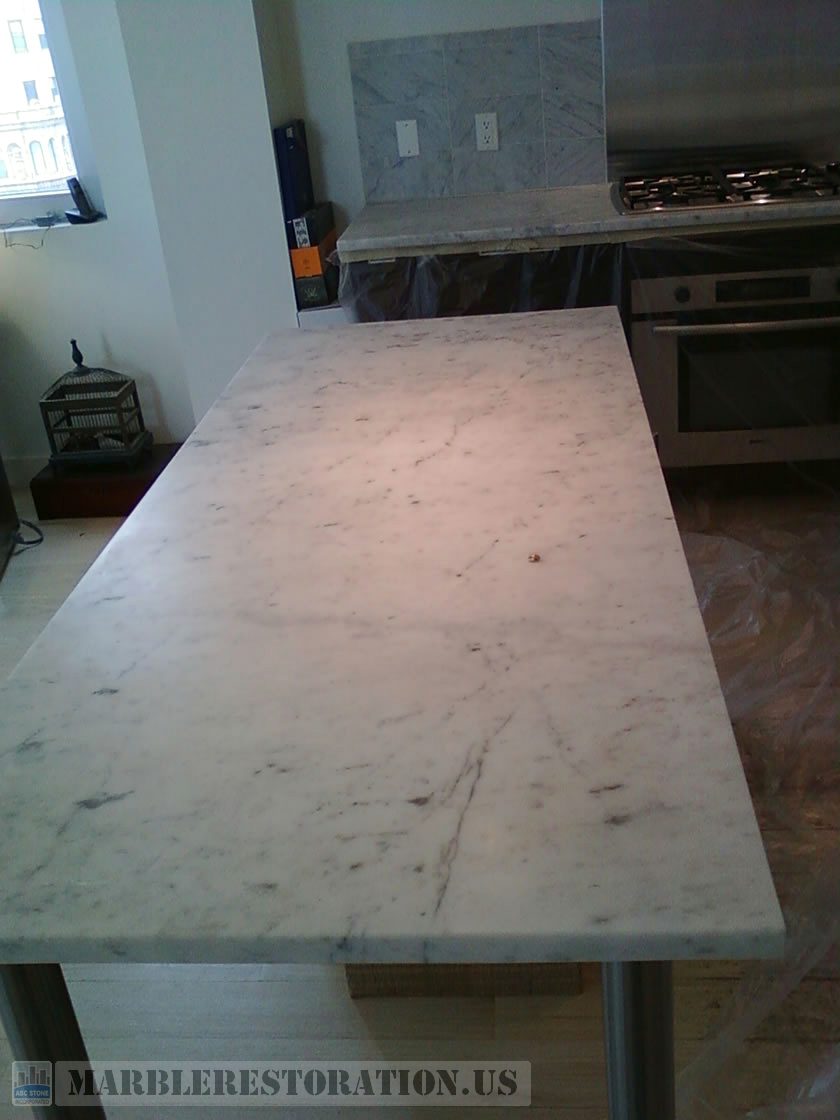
(97,491)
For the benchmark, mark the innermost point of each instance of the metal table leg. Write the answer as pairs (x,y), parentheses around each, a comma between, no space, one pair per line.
(639,1039)
(41,1025)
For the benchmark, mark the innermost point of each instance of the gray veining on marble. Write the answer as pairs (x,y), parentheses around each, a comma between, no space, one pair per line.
(544,84)
(313,703)
(499,63)
(519,119)
(427,177)
(392,79)
(514,40)
(519,166)
(576,160)
(410,44)
(384,172)
(573,80)
(534,219)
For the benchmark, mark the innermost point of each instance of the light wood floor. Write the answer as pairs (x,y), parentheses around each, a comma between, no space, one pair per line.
(303,1012)
(38,581)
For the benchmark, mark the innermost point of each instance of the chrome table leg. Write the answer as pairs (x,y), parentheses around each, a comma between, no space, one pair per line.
(639,1039)
(41,1025)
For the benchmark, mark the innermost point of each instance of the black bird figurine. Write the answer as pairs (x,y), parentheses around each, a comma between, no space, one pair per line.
(77,355)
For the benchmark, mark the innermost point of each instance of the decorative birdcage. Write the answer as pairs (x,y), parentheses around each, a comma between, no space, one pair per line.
(93,415)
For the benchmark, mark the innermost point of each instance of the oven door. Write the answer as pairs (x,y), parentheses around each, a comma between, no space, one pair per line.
(751,390)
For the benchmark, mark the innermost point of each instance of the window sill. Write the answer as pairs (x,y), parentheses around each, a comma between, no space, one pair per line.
(31,227)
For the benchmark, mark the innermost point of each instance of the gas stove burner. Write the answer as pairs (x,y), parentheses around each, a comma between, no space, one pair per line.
(730,187)
(790,181)
(665,192)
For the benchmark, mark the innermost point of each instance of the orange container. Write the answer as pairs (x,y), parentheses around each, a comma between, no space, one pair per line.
(312,261)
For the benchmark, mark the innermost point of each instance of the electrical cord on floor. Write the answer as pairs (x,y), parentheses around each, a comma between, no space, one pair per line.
(23,544)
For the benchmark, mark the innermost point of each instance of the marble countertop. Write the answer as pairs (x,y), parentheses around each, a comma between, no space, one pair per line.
(314,702)
(529,220)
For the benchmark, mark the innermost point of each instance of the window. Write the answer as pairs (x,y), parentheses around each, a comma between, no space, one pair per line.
(18,37)
(4,171)
(36,154)
(34,144)
(15,156)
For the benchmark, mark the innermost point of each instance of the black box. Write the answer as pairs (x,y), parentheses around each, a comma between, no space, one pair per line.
(317,291)
(293,169)
(310,228)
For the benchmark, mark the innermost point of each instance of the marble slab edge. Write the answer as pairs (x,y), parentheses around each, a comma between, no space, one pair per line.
(610,226)
(619,944)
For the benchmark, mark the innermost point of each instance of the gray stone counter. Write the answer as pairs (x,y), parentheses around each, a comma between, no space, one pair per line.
(545,219)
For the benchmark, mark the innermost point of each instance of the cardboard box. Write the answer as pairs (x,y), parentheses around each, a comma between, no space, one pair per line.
(313,261)
(310,228)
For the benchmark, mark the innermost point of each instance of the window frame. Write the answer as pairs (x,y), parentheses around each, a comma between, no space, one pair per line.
(19,208)
(18,37)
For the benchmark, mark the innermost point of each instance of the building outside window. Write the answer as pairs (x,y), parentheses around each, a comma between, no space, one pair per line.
(4,170)
(18,36)
(36,154)
(34,145)
(15,155)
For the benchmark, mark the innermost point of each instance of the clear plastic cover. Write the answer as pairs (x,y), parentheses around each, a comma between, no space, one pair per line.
(766,568)
(431,287)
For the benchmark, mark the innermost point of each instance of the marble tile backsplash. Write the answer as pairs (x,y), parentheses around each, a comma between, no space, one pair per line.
(545,85)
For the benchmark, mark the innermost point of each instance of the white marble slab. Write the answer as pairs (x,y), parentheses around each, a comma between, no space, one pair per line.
(314,703)
(523,220)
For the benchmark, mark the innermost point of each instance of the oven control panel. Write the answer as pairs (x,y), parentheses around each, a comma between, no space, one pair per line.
(743,289)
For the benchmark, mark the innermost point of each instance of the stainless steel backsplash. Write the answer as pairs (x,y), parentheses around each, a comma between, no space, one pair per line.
(740,78)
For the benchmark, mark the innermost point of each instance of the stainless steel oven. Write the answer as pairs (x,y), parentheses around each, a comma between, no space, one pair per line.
(740,367)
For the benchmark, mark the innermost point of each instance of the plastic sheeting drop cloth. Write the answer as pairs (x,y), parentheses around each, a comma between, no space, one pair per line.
(766,569)
(432,287)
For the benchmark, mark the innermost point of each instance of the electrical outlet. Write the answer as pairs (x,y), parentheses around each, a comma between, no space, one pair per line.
(408,143)
(486,132)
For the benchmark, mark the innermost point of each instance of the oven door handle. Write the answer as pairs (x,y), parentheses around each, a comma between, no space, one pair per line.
(749,327)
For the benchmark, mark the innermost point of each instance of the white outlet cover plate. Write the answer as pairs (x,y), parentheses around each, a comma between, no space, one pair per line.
(486,132)
(408,143)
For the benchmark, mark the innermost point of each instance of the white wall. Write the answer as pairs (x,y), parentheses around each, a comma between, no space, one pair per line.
(191,268)
(321,30)
(104,284)
(198,86)
(280,59)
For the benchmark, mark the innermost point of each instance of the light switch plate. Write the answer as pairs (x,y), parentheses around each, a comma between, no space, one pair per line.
(486,132)
(408,143)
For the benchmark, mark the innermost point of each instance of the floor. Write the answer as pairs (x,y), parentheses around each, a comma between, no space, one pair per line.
(747,1039)
(39,580)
